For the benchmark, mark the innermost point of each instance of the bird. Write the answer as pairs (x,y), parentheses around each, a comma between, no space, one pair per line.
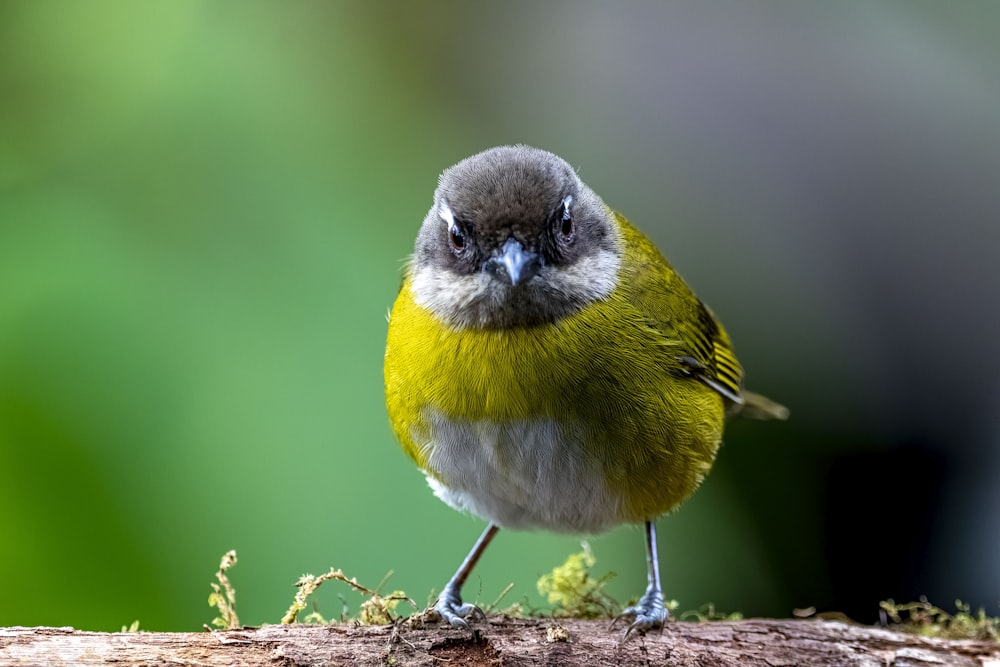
(546,367)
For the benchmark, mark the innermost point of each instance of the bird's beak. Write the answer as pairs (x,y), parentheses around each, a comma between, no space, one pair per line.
(513,263)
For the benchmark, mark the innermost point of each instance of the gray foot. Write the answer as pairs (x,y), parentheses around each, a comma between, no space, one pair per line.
(450,607)
(648,614)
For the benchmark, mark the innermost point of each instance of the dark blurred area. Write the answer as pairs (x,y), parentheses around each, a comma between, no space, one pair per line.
(204,211)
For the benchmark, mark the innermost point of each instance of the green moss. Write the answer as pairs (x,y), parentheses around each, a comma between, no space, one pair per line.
(376,610)
(926,619)
(706,612)
(223,596)
(570,588)
(573,592)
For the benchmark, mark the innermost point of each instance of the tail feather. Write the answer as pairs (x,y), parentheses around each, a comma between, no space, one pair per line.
(756,406)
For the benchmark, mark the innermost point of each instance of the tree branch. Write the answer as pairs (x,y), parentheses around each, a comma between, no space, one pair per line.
(501,641)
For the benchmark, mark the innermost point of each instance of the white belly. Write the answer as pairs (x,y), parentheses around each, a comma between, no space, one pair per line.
(530,473)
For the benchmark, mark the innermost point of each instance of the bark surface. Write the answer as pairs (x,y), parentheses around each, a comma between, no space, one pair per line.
(501,641)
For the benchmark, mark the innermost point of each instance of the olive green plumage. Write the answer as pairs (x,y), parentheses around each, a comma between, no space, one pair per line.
(546,367)
(614,366)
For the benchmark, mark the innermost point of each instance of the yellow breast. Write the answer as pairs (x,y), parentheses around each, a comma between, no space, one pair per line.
(539,420)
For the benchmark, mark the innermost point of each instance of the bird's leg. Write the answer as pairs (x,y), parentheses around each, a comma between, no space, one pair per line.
(649,613)
(449,605)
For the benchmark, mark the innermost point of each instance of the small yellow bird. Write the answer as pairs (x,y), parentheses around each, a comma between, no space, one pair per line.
(546,368)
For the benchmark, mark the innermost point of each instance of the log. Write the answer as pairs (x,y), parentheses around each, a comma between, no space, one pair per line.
(501,641)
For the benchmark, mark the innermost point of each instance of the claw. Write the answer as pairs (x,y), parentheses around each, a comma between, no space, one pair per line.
(649,614)
(449,607)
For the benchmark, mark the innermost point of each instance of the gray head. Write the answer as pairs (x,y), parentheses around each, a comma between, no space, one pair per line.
(514,238)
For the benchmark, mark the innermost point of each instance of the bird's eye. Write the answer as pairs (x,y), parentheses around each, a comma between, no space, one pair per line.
(457,238)
(566,227)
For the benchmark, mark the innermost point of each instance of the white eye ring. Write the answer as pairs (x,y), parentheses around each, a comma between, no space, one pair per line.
(567,229)
(566,204)
(446,215)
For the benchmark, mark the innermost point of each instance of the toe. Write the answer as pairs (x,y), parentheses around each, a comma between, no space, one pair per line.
(453,610)
(649,614)
(651,619)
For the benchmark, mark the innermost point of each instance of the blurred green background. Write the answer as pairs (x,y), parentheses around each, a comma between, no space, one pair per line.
(205,208)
